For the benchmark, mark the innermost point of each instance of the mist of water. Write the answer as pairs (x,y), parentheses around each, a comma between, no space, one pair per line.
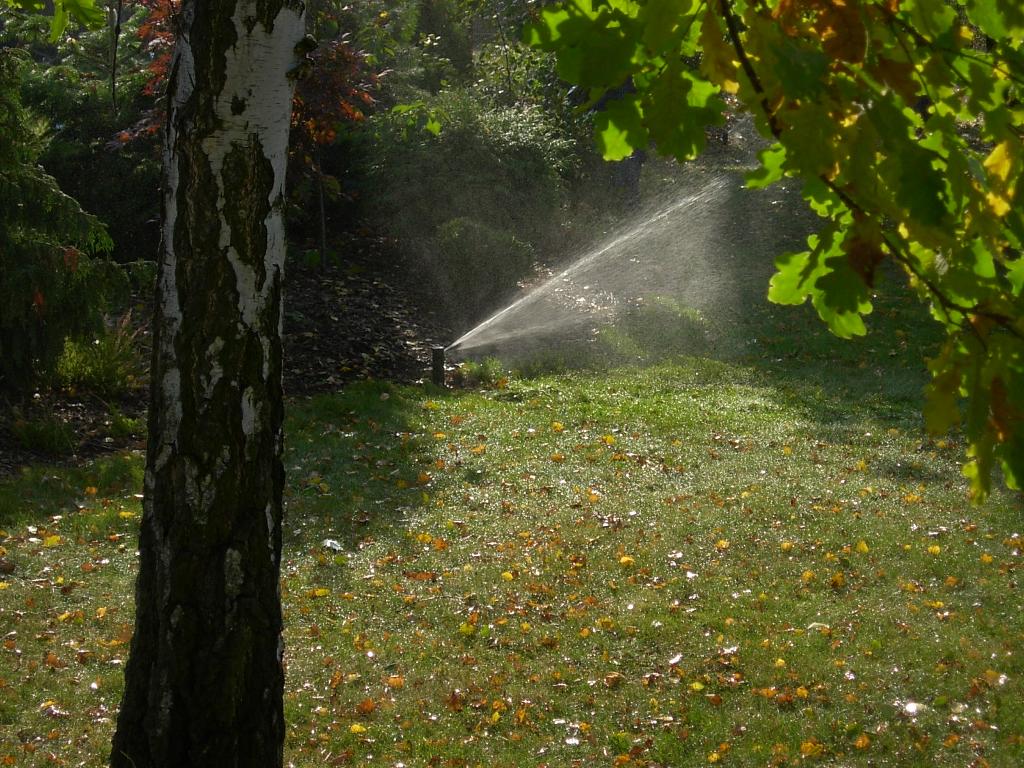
(685,249)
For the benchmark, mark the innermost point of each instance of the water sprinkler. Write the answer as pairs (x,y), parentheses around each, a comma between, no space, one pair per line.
(437,365)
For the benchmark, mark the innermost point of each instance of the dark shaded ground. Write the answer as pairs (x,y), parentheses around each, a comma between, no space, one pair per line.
(365,319)
(362,319)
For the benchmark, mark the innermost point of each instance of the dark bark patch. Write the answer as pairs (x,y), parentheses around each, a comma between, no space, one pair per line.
(248,174)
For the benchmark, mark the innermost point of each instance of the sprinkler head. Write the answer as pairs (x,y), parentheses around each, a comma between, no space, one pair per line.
(437,365)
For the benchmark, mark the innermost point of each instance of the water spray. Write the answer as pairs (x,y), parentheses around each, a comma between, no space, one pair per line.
(597,256)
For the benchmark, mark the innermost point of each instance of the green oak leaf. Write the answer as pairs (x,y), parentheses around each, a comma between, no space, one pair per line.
(809,138)
(619,128)
(1015,274)
(84,12)
(796,273)
(773,161)
(998,18)
(678,107)
(663,21)
(921,186)
(940,408)
(596,47)
(801,69)
(842,299)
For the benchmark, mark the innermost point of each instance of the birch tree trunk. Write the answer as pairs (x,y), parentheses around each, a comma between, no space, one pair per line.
(204,682)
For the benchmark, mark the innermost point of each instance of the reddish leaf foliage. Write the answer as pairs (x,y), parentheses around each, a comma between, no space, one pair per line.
(335,90)
(338,90)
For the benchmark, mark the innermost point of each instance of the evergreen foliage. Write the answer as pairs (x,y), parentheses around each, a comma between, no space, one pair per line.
(94,133)
(51,285)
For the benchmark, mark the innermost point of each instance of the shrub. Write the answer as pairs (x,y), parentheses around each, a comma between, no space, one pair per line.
(107,365)
(46,434)
(499,165)
(489,372)
(475,266)
(654,330)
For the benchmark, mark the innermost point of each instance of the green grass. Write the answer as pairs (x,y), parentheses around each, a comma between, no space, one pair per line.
(759,561)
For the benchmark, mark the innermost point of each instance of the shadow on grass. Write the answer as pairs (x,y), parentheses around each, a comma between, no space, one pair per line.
(358,462)
(39,492)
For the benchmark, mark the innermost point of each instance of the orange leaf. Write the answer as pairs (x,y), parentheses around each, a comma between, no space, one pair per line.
(366,707)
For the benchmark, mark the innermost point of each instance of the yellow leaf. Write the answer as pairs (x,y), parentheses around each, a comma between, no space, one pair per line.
(507,575)
(998,203)
(719,59)
(558,458)
(812,748)
(613,679)
(862,742)
(807,577)
(319,592)
(934,549)
(51,541)
(357,728)
(722,544)
(626,561)
(786,546)
(101,612)
(780,663)
(4,585)
(986,558)
(842,33)
(557,426)
(999,163)
(862,547)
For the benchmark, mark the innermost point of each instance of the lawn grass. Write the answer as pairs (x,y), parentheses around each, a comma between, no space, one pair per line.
(753,561)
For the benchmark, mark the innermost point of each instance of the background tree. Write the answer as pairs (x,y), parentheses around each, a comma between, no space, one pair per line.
(69,81)
(903,120)
(52,286)
(204,682)
(333,96)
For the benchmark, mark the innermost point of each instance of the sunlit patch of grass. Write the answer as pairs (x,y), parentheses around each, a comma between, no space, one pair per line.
(656,567)
(699,563)
(68,539)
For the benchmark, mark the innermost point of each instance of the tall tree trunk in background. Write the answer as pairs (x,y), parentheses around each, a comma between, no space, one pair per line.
(204,683)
